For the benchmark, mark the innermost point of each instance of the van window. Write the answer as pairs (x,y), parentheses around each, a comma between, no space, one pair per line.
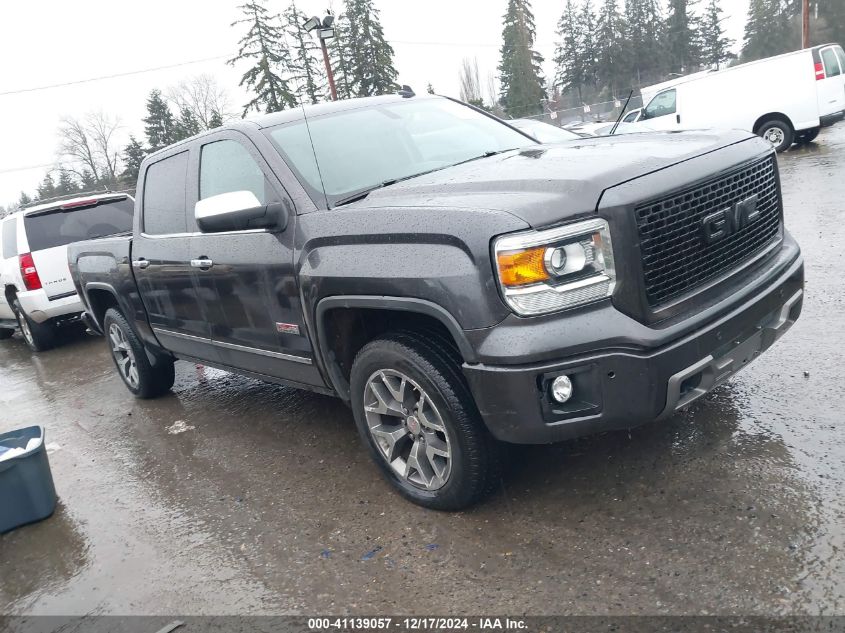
(226,166)
(59,227)
(831,63)
(165,188)
(663,104)
(841,55)
(10,238)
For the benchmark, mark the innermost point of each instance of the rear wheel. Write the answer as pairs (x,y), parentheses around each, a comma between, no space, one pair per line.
(142,378)
(778,133)
(38,336)
(417,417)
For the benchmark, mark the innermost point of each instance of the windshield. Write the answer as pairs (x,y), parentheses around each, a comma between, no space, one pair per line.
(363,148)
(58,227)
(544,132)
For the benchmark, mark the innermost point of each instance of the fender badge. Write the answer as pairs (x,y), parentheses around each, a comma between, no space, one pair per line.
(287,328)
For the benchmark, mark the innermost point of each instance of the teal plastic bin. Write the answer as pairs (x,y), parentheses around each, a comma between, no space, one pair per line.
(27,493)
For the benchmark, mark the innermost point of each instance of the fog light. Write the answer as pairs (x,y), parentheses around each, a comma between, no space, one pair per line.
(561,389)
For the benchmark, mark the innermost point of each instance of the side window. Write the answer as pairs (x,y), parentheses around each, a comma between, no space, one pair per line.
(663,104)
(165,187)
(10,238)
(841,55)
(831,63)
(227,166)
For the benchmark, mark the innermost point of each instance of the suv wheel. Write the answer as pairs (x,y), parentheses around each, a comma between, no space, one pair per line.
(417,417)
(38,336)
(778,133)
(142,378)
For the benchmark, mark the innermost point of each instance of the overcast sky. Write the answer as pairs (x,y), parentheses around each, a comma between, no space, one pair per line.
(50,42)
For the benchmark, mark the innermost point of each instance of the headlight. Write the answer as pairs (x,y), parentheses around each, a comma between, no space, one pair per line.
(565,267)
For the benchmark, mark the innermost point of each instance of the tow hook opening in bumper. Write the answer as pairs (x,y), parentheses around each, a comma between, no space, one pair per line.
(690,384)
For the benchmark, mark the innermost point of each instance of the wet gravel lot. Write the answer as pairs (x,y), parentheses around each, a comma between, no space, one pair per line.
(234,496)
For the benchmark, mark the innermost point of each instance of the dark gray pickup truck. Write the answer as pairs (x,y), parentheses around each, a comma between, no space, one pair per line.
(457,283)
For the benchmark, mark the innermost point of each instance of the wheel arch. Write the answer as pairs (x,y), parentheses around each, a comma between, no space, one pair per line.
(780,116)
(99,298)
(344,324)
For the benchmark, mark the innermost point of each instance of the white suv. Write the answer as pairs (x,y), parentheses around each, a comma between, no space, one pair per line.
(38,293)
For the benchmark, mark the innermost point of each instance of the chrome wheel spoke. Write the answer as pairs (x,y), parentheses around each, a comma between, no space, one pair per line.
(418,464)
(390,440)
(385,403)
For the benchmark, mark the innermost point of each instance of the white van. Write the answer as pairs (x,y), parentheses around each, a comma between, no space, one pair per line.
(785,99)
(38,292)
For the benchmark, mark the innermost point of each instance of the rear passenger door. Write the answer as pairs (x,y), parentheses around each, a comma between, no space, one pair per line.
(161,259)
(247,277)
(831,89)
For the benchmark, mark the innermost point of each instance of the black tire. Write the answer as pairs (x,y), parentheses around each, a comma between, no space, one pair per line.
(6,333)
(38,336)
(808,136)
(780,129)
(152,380)
(434,366)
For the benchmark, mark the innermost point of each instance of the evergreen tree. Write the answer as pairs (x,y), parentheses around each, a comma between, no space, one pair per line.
(47,188)
(521,82)
(832,15)
(715,47)
(66,184)
(264,46)
(613,57)
(133,154)
(216,120)
(159,124)
(429,88)
(24,199)
(87,181)
(186,125)
(683,45)
(341,58)
(645,34)
(306,72)
(371,57)
(569,63)
(767,30)
(589,48)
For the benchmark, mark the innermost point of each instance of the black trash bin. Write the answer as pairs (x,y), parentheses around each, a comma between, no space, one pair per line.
(27,493)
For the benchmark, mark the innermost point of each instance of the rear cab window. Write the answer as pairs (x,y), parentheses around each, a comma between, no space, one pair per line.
(62,226)
(164,198)
(9,238)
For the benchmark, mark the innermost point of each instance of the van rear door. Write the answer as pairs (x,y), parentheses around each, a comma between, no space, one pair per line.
(49,231)
(830,81)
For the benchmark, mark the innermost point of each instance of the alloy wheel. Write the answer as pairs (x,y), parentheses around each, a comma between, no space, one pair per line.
(123,356)
(408,429)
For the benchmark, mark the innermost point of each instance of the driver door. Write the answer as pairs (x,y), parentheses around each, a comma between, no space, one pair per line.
(662,112)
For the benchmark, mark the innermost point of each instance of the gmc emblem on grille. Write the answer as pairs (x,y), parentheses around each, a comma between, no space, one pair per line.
(717,226)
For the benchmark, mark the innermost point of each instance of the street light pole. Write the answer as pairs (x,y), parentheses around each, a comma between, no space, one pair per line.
(324,32)
(805,24)
(329,72)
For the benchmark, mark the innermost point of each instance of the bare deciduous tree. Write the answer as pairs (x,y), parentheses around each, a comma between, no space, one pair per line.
(203,97)
(471,82)
(89,144)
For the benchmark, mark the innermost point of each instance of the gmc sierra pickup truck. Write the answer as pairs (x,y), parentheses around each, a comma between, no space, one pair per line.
(457,283)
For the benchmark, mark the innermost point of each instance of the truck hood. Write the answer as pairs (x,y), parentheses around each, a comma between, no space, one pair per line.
(545,184)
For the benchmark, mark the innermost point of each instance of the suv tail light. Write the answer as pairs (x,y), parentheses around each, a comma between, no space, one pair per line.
(30,275)
(820,72)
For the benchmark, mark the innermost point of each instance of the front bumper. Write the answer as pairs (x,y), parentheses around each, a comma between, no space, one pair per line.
(624,387)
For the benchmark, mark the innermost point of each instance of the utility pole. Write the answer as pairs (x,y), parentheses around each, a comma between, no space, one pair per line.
(805,24)
(324,32)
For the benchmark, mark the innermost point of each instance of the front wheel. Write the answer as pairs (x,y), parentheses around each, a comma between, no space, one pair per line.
(38,336)
(416,416)
(142,378)
(778,133)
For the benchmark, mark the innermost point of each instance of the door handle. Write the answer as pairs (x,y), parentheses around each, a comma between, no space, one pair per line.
(140,263)
(202,263)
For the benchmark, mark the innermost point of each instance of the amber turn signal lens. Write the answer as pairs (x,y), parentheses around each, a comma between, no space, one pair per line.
(520,268)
